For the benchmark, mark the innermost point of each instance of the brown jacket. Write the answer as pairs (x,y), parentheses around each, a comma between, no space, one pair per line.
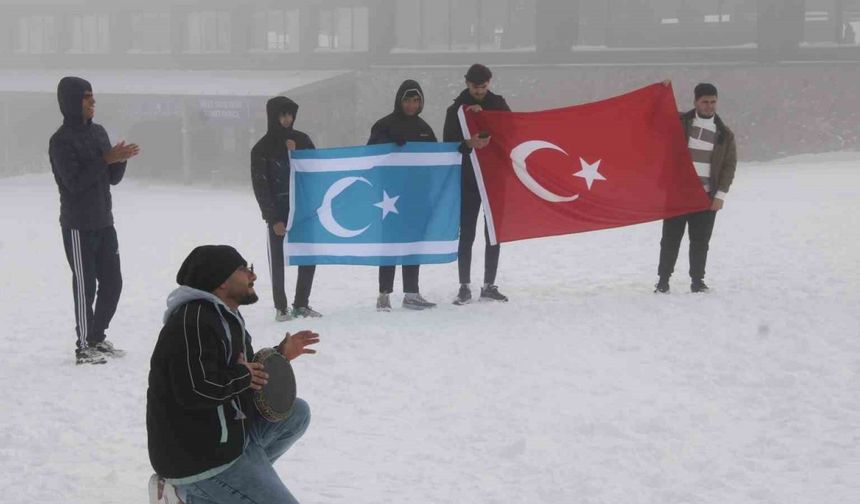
(725,156)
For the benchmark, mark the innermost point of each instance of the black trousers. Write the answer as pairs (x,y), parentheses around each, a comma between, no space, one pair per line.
(470,205)
(93,256)
(304,281)
(410,278)
(701,226)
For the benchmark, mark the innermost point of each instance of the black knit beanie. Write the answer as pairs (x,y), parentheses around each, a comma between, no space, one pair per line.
(207,266)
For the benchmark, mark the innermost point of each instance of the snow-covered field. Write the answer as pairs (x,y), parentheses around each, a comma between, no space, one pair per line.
(585,388)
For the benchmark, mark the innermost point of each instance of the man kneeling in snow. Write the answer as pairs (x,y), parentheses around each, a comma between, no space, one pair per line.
(207,442)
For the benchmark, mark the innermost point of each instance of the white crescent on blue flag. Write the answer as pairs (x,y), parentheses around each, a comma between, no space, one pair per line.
(376,205)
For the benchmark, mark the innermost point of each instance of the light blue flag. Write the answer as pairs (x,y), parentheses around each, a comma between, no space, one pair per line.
(377,205)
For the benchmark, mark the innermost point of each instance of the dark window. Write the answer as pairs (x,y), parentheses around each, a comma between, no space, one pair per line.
(207,32)
(344,29)
(276,30)
(36,35)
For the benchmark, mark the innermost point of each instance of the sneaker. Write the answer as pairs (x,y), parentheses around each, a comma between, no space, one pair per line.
(107,349)
(414,301)
(305,312)
(383,303)
(662,286)
(698,286)
(282,315)
(464,296)
(162,492)
(491,293)
(89,355)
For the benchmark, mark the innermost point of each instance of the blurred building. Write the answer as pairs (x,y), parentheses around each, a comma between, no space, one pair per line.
(192,76)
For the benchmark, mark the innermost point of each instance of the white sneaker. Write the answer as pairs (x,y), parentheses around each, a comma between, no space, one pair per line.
(383,303)
(282,315)
(162,492)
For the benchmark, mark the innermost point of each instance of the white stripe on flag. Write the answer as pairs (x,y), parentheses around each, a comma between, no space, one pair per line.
(476,166)
(401,159)
(371,249)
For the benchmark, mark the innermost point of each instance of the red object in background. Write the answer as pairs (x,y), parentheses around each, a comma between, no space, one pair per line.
(600,165)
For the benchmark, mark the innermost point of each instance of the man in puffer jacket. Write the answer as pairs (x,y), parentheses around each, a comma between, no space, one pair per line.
(402,125)
(207,442)
(270,176)
(85,166)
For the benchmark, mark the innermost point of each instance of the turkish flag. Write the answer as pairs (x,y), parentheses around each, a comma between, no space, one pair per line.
(599,165)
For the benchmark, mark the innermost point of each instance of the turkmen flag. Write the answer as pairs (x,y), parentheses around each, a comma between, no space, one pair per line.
(376,205)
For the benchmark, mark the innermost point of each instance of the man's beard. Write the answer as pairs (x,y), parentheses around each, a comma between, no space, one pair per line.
(249,299)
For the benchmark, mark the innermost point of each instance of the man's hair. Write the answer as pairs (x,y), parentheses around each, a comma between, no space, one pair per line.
(478,74)
(705,89)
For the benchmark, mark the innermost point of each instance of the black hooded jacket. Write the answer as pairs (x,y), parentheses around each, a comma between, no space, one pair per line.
(453,133)
(77,152)
(400,128)
(270,163)
(199,404)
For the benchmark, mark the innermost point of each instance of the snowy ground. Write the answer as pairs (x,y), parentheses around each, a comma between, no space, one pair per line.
(585,388)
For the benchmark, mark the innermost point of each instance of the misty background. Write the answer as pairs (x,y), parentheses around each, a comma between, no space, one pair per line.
(188,79)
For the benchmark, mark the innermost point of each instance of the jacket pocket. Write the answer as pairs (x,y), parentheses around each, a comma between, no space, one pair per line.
(223,420)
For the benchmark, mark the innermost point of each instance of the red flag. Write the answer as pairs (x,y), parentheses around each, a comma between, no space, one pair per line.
(599,165)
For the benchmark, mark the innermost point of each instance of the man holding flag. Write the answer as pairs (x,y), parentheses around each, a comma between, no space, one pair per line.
(405,125)
(712,148)
(476,97)
(600,165)
(393,202)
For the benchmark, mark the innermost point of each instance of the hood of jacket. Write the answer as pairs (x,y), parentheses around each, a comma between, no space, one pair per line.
(407,86)
(275,108)
(70,95)
(184,294)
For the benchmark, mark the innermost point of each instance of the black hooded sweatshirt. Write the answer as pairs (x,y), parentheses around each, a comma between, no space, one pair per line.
(453,133)
(400,128)
(77,152)
(270,163)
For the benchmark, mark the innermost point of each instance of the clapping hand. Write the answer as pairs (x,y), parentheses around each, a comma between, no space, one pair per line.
(295,345)
(121,152)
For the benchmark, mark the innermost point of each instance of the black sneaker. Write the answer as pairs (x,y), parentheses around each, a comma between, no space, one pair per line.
(662,286)
(305,312)
(107,349)
(491,293)
(464,296)
(89,355)
(698,286)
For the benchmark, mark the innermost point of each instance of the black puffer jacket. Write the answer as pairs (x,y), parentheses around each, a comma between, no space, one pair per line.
(400,128)
(452,132)
(199,402)
(270,164)
(76,152)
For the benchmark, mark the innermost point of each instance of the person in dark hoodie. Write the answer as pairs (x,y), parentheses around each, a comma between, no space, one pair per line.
(403,125)
(477,96)
(207,442)
(85,165)
(270,176)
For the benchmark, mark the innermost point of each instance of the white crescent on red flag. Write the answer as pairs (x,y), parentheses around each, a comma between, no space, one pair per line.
(600,165)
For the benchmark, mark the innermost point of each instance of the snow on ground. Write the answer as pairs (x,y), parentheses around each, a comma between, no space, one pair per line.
(585,388)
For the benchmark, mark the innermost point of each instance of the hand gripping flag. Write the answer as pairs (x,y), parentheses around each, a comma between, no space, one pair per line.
(600,165)
(375,205)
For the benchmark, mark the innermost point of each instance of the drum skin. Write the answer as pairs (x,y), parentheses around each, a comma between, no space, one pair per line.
(275,400)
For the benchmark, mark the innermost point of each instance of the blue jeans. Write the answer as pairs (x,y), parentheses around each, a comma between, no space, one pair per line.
(252,479)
